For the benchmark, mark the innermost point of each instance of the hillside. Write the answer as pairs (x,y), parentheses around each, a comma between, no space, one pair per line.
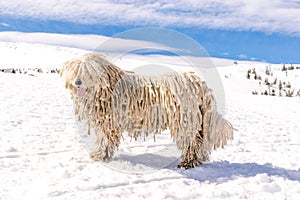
(44,150)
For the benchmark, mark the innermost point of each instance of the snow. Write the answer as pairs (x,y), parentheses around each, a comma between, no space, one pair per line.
(84,41)
(45,151)
(22,55)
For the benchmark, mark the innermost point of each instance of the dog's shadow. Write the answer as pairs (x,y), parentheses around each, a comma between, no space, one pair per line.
(223,171)
(218,171)
(142,163)
(215,171)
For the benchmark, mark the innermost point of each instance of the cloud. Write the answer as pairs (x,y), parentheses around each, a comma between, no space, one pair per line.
(280,16)
(4,24)
(242,56)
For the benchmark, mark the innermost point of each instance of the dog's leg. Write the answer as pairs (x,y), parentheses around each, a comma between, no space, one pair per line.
(106,145)
(194,154)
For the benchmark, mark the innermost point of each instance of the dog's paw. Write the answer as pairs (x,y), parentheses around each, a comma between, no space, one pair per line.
(99,156)
(190,164)
(96,156)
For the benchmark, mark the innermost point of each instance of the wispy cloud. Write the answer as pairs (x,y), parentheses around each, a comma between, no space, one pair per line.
(242,56)
(4,24)
(280,16)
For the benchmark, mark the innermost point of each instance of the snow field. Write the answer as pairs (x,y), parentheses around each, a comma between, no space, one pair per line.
(44,156)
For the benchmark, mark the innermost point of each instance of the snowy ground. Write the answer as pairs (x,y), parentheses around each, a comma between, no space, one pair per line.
(44,157)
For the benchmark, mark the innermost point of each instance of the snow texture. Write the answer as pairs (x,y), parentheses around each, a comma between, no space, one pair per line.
(44,155)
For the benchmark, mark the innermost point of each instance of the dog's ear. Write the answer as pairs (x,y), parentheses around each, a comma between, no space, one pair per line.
(69,72)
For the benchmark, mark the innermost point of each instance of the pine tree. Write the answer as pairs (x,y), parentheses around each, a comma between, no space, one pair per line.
(280,85)
(267,81)
(255,76)
(248,74)
(275,81)
(288,85)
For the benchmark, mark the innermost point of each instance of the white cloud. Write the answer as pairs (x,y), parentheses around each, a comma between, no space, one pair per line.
(242,56)
(4,24)
(258,15)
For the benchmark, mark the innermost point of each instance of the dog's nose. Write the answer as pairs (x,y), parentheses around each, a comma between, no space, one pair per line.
(78,82)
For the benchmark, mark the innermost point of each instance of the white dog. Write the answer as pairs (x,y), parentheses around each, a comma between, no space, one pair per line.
(113,101)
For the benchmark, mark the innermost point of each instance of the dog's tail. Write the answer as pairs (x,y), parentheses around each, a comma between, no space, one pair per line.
(217,131)
(222,129)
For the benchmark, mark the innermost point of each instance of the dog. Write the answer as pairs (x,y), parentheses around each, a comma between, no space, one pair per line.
(113,101)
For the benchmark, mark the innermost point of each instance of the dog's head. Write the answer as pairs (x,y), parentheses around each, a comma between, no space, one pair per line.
(83,75)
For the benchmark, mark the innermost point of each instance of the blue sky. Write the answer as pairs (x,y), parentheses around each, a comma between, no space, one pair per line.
(263,30)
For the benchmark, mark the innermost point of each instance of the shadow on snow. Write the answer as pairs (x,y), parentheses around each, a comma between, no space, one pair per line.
(223,171)
(219,172)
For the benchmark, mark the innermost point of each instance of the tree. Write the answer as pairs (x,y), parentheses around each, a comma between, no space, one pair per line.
(289,93)
(267,81)
(280,85)
(267,71)
(288,85)
(291,67)
(255,76)
(275,81)
(248,74)
(273,92)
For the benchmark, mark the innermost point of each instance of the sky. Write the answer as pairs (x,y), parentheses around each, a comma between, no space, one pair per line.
(262,30)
